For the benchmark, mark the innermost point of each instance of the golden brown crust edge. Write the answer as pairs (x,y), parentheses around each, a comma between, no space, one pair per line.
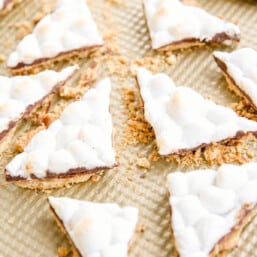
(230,241)
(75,252)
(52,183)
(232,85)
(48,62)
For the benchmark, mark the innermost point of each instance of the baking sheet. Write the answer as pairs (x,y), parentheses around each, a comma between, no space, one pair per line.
(26,226)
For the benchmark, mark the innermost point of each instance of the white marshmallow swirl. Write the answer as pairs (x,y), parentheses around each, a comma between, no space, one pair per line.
(69,27)
(205,205)
(80,138)
(181,118)
(96,229)
(171,21)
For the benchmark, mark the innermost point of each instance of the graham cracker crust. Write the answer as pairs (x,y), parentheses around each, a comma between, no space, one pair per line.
(8,6)
(44,63)
(54,181)
(194,42)
(75,252)
(230,241)
(232,85)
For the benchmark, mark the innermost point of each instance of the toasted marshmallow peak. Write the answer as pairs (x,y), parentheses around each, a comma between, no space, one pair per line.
(182,119)
(69,27)
(19,92)
(171,21)
(206,205)
(241,66)
(80,138)
(96,229)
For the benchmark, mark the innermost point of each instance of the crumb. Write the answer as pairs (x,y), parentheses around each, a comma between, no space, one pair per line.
(95,178)
(141,228)
(143,163)
(23,141)
(130,178)
(154,156)
(63,251)
(143,176)
(110,35)
(87,77)
(138,130)
(245,110)
(71,92)
(2,58)
(44,119)
(149,62)
(171,59)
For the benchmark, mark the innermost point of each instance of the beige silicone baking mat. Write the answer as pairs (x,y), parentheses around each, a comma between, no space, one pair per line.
(26,226)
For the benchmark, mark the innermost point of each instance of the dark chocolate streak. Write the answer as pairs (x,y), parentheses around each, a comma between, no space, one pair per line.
(70,173)
(41,60)
(218,38)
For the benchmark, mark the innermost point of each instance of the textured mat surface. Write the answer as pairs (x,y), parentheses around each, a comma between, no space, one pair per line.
(26,226)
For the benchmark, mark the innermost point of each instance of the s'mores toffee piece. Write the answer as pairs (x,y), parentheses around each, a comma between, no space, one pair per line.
(7,5)
(72,148)
(182,119)
(19,95)
(209,209)
(174,25)
(68,30)
(240,71)
(95,229)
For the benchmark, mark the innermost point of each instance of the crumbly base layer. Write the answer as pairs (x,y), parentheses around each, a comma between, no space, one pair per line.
(75,252)
(45,63)
(232,85)
(51,183)
(179,46)
(230,241)
(9,7)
